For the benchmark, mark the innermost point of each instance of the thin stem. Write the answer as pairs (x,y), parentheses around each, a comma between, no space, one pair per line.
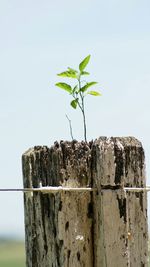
(84,119)
(81,106)
(70,126)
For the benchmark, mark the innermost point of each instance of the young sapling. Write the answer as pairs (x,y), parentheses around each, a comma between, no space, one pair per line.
(80,90)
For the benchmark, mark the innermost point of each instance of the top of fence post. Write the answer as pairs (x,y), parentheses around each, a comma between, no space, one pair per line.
(87,228)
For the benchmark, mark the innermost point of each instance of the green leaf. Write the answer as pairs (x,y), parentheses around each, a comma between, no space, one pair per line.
(75,89)
(72,70)
(94,93)
(64,86)
(85,87)
(84,63)
(85,73)
(68,74)
(74,103)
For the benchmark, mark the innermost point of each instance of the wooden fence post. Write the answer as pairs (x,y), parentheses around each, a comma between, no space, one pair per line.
(106,228)
(120,228)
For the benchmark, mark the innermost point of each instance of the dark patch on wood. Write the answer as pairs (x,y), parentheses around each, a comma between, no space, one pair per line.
(68,254)
(127,159)
(93,158)
(56,144)
(46,248)
(84,248)
(90,210)
(44,208)
(145,235)
(122,237)
(78,256)
(73,144)
(111,187)
(58,248)
(60,205)
(119,160)
(66,226)
(141,200)
(134,160)
(122,208)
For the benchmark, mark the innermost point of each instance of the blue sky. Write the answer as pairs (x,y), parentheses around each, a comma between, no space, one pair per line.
(42,38)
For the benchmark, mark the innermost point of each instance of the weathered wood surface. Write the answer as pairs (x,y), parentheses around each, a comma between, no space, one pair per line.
(120,230)
(107,228)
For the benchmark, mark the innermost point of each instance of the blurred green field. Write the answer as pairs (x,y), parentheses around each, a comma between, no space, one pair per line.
(12,254)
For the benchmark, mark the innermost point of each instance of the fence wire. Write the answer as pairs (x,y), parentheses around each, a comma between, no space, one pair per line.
(55,189)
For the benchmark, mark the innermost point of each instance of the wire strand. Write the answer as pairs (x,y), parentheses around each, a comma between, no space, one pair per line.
(48,189)
(55,189)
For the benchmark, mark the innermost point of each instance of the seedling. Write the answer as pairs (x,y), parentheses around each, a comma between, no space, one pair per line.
(80,90)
